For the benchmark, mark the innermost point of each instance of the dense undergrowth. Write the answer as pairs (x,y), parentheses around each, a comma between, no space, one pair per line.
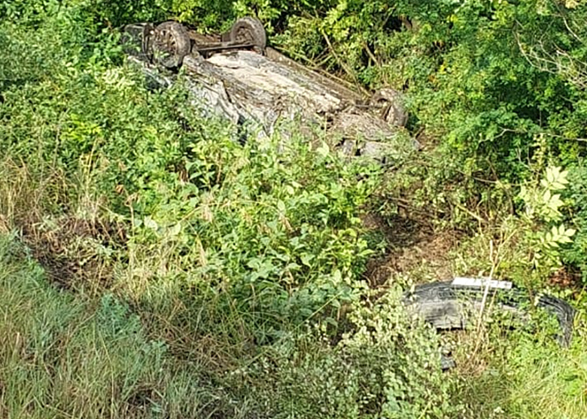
(238,258)
(198,275)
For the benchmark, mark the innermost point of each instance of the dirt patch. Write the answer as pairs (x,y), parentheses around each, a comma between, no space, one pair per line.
(413,245)
(566,277)
(74,251)
(143,398)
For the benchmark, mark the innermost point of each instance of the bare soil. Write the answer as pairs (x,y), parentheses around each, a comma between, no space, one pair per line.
(414,246)
(67,251)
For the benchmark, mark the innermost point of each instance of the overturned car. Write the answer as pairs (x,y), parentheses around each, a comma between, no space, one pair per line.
(239,77)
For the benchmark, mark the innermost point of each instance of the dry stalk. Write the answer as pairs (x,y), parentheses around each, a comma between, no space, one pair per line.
(494,257)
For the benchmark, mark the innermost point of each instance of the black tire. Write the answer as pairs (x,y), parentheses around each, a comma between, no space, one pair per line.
(249,30)
(390,103)
(168,44)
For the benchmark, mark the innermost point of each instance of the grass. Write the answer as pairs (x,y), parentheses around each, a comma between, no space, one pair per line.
(67,357)
(523,376)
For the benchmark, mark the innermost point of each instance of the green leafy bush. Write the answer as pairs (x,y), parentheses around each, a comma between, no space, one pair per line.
(272,223)
(387,366)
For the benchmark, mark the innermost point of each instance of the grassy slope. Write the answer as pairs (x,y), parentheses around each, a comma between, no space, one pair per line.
(66,356)
(222,250)
(522,375)
(63,356)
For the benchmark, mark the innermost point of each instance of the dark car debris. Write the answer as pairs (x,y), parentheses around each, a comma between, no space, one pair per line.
(456,304)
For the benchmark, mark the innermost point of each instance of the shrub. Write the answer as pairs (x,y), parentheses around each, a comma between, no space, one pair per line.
(386,366)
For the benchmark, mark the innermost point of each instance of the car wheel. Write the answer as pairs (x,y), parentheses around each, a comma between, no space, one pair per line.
(249,30)
(168,44)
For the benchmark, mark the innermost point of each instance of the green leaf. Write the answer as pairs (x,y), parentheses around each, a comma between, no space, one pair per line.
(281,207)
(150,223)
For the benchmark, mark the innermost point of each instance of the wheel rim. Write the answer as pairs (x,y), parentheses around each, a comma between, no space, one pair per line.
(244,34)
(165,47)
(169,43)
(249,31)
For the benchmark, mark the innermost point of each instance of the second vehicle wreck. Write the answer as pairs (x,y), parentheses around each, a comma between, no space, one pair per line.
(239,77)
